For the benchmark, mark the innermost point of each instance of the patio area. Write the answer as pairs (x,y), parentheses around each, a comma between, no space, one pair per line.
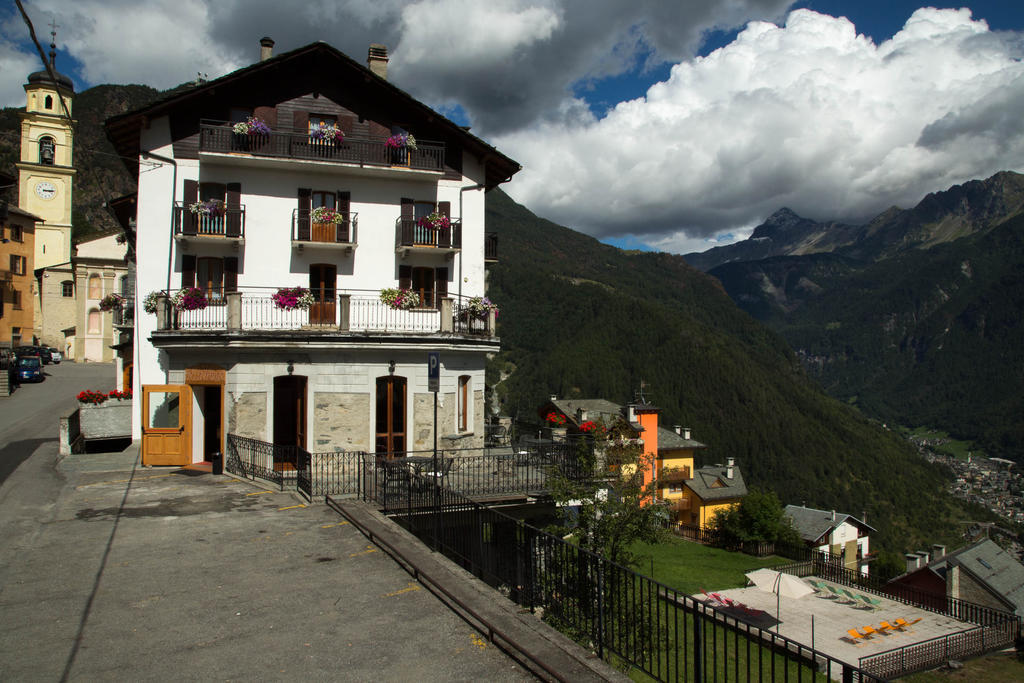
(832,618)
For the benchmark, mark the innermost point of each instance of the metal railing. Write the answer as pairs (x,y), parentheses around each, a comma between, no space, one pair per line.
(623,615)
(124,315)
(261,460)
(254,308)
(930,654)
(305,230)
(409,233)
(231,224)
(363,151)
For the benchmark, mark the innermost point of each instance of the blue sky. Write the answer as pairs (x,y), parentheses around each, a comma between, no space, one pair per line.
(674,126)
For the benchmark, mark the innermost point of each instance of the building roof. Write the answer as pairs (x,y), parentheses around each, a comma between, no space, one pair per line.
(43,78)
(314,68)
(599,408)
(813,525)
(987,563)
(713,483)
(24,214)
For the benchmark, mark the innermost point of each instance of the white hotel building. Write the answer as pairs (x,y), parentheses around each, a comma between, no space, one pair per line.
(349,372)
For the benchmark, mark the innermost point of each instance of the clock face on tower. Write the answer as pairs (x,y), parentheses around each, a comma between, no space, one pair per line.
(46,190)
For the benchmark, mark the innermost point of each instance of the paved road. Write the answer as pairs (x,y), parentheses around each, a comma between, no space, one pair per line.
(111,571)
(30,416)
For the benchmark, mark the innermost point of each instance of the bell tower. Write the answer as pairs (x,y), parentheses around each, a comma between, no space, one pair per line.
(46,169)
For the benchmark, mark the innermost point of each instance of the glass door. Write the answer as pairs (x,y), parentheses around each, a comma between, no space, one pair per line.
(167,424)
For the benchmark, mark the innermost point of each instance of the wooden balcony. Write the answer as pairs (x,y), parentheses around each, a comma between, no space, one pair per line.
(675,475)
(359,152)
(306,233)
(410,236)
(196,227)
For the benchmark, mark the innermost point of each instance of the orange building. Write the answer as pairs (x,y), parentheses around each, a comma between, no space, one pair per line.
(17,246)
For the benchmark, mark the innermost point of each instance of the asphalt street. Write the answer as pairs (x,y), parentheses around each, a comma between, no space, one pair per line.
(30,416)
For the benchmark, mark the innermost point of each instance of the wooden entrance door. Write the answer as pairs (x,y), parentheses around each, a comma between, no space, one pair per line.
(323,278)
(289,419)
(390,418)
(166,424)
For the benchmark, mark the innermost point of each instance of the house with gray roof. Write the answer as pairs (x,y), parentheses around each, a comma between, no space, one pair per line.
(982,573)
(835,533)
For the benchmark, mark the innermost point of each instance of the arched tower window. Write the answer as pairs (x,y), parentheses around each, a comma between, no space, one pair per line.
(48,103)
(46,150)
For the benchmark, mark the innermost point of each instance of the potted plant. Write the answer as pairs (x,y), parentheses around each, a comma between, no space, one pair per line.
(189,299)
(327,133)
(398,146)
(105,415)
(209,207)
(249,134)
(292,298)
(480,306)
(325,223)
(150,302)
(435,221)
(400,299)
(111,302)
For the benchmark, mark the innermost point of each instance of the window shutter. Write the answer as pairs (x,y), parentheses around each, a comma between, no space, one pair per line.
(300,122)
(233,204)
(408,221)
(268,114)
(188,270)
(189,197)
(344,203)
(440,285)
(405,277)
(302,216)
(444,237)
(230,273)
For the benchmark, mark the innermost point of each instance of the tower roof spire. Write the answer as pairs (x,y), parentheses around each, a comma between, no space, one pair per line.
(53,40)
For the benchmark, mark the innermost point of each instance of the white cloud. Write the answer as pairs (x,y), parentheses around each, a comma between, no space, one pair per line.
(15,66)
(808,115)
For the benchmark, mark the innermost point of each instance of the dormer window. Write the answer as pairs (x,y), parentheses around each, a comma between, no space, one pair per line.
(48,102)
(46,150)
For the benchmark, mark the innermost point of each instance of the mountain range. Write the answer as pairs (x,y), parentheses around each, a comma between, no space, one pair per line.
(914,316)
(583,319)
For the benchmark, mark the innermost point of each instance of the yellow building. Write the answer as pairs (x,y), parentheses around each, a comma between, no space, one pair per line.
(17,243)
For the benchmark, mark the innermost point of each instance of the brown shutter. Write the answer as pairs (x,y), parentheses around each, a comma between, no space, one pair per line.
(408,221)
(189,197)
(268,114)
(230,273)
(444,237)
(233,204)
(440,285)
(405,277)
(300,121)
(188,271)
(344,202)
(302,216)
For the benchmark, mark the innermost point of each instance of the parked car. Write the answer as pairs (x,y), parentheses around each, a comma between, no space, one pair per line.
(56,355)
(30,369)
(43,352)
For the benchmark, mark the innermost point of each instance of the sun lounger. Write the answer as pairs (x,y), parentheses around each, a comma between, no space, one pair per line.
(856,635)
(869,602)
(868,631)
(834,591)
(850,597)
(885,626)
(903,623)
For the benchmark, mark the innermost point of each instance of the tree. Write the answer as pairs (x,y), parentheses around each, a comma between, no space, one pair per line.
(614,509)
(760,516)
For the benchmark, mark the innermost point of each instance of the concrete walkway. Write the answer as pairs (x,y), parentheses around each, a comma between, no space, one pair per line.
(110,571)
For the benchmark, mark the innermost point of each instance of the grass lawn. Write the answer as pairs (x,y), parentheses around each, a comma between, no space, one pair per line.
(949,446)
(688,566)
(998,666)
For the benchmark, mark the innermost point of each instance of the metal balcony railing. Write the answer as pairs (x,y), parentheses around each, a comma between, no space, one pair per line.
(304,229)
(410,233)
(187,224)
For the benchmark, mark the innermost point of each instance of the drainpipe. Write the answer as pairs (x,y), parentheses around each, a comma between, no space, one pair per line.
(137,371)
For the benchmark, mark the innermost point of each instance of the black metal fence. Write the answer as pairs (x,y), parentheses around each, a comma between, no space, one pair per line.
(929,654)
(256,459)
(624,616)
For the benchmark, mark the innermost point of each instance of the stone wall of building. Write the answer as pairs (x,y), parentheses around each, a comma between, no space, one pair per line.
(247,416)
(340,422)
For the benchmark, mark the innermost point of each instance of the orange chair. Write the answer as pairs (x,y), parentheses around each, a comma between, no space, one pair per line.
(855,634)
(868,631)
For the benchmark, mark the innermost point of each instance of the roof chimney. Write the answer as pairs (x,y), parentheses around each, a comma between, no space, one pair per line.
(938,551)
(554,397)
(913,562)
(730,463)
(377,60)
(686,433)
(582,413)
(679,429)
(266,48)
